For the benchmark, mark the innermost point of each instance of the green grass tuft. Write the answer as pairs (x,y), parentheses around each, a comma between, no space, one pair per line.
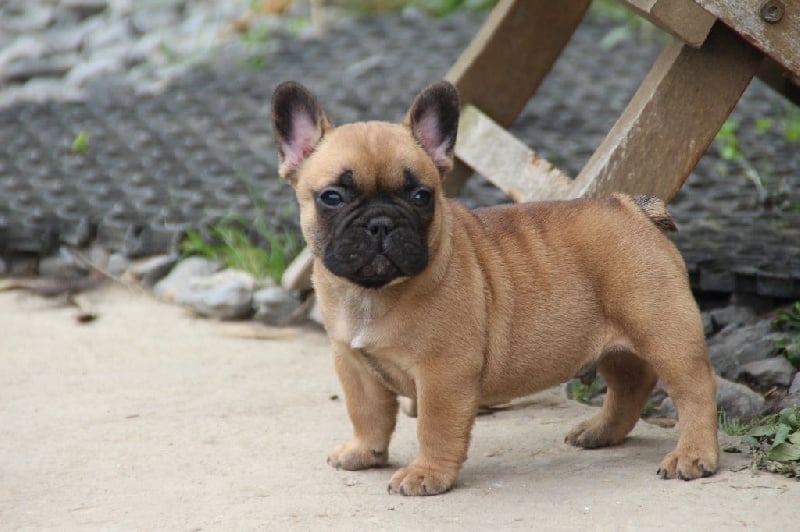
(262,253)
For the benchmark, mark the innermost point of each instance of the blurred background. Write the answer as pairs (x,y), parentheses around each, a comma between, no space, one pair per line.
(142,126)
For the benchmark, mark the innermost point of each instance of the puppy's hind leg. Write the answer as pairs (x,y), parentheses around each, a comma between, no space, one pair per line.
(630,381)
(689,380)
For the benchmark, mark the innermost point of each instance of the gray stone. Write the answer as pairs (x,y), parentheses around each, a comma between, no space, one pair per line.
(736,400)
(708,324)
(734,346)
(97,256)
(144,48)
(151,270)
(775,371)
(3,267)
(182,274)
(731,315)
(793,399)
(112,34)
(81,74)
(62,265)
(24,47)
(152,20)
(118,264)
(226,295)
(70,39)
(794,388)
(39,67)
(39,90)
(275,306)
(35,17)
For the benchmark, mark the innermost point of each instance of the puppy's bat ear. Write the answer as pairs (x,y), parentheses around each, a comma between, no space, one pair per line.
(299,123)
(433,119)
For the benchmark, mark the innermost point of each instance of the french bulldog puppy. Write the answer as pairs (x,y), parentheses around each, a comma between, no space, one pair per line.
(454,308)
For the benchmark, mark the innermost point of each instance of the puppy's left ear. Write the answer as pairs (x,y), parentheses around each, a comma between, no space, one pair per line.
(299,124)
(433,119)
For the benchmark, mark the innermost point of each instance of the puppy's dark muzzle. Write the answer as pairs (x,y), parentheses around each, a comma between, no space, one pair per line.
(374,250)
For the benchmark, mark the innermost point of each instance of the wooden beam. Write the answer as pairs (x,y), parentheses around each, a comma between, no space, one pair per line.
(512,53)
(780,79)
(672,118)
(510,165)
(772,26)
(508,59)
(682,18)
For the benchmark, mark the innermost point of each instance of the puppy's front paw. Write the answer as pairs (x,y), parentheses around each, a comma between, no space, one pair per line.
(688,464)
(422,479)
(354,455)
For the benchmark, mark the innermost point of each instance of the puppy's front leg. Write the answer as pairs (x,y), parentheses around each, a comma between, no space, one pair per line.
(373,412)
(447,403)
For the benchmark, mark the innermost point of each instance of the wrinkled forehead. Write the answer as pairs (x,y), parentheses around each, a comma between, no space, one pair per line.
(376,154)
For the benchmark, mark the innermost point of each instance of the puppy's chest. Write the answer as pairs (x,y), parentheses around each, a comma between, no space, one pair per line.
(391,374)
(376,341)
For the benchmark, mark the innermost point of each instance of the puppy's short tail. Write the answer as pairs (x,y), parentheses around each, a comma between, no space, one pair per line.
(656,210)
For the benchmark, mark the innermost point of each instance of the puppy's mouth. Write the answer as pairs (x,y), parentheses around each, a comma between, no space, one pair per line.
(374,260)
(377,273)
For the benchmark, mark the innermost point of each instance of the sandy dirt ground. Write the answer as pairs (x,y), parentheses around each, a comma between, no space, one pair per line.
(149,419)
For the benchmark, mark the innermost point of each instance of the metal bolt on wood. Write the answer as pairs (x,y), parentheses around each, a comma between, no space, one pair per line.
(772,11)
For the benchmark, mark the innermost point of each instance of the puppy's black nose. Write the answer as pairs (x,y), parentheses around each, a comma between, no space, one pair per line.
(379,226)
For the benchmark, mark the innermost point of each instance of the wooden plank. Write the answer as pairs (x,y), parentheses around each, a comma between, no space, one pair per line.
(507,60)
(780,79)
(779,40)
(682,18)
(512,53)
(511,166)
(672,118)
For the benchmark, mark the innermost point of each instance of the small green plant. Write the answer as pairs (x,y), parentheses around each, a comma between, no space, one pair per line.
(254,62)
(627,24)
(583,393)
(788,320)
(764,124)
(775,442)
(791,124)
(231,245)
(732,426)
(728,142)
(256,34)
(441,8)
(80,145)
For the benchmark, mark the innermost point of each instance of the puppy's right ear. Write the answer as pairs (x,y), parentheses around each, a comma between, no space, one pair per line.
(299,123)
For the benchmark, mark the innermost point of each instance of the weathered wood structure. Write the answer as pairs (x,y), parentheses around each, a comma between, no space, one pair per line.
(669,123)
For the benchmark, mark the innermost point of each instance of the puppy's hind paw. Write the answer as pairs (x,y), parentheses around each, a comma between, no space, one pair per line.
(592,434)
(354,455)
(687,465)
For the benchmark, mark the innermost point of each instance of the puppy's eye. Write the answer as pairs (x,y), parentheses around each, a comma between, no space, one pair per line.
(421,197)
(331,198)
